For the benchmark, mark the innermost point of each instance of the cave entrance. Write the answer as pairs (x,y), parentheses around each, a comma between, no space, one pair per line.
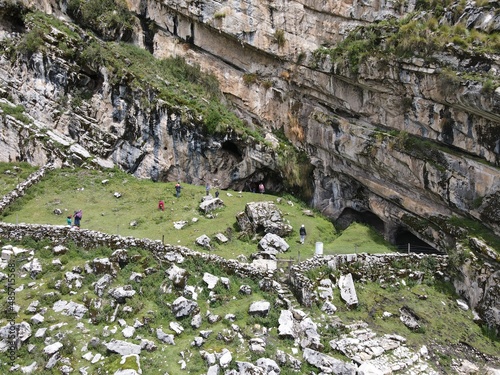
(407,242)
(349,215)
(232,149)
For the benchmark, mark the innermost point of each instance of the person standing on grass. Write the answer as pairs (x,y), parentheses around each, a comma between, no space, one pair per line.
(78,217)
(161,205)
(302,232)
(68,220)
(207,188)
(178,188)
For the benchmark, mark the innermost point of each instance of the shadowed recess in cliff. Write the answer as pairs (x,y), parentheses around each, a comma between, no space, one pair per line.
(232,149)
(350,215)
(407,242)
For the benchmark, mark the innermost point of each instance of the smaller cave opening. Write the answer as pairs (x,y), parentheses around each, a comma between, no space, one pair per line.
(405,241)
(349,215)
(231,148)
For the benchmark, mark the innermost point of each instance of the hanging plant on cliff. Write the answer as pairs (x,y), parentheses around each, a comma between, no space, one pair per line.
(110,19)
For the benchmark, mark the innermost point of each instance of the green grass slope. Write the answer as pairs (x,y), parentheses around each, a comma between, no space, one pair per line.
(13,173)
(72,189)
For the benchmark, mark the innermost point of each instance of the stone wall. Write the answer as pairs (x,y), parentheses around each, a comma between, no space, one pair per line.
(21,188)
(88,239)
(476,281)
(364,267)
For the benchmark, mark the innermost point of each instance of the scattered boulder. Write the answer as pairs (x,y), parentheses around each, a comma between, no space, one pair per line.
(286,326)
(182,307)
(59,250)
(462,304)
(247,368)
(180,224)
(209,205)
(328,364)
(211,280)
(148,345)
(70,308)
(409,318)
(273,244)
(123,347)
(103,265)
(33,306)
(102,284)
(34,267)
(121,293)
(29,369)
(37,319)
(329,308)
(176,327)
(260,308)
(53,348)
(347,290)
(286,359)
(203,241)
(128,332)
(23,332)
(225,358)
(196,321)
(263,217)
(166,338)
(310,337)
(257,345)
(245,289)
(221,238)
(178,276)
(270,366)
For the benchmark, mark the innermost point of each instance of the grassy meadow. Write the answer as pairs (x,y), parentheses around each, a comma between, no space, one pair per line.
(94,191)
(12,174)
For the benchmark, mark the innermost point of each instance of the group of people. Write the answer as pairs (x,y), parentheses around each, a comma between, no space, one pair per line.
(77,217)
(178,189)
(207,190)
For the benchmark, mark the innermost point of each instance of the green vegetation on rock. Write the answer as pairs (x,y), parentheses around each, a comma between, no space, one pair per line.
(190,93)
(417,35)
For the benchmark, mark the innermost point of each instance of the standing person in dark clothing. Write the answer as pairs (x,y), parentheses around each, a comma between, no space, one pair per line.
(78,217)
(178,188)
(302,232)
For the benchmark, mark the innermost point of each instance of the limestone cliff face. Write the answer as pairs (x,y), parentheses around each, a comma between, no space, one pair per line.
(112,129)
(337,116)
(396,143)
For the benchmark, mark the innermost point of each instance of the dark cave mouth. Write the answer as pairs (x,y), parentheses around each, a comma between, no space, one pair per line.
(403,239)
